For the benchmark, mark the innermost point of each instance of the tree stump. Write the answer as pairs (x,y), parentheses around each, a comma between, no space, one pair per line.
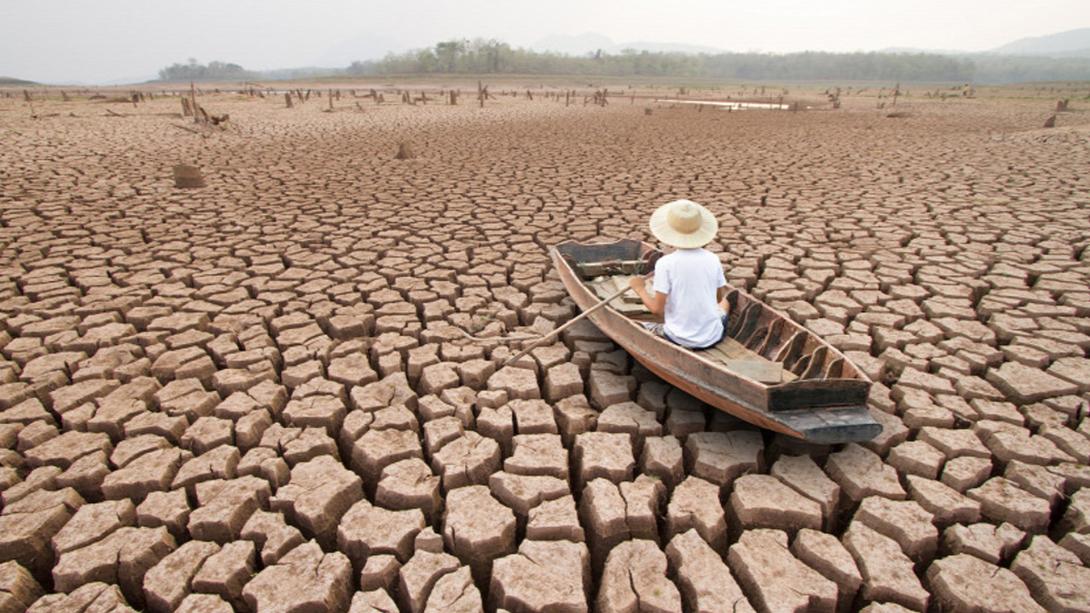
(187,176)
(404,152)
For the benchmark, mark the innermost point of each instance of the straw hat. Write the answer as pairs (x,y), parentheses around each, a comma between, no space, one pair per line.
(684,224)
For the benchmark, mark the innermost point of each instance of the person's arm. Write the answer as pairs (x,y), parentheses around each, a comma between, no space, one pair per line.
(656,304)
(721,287)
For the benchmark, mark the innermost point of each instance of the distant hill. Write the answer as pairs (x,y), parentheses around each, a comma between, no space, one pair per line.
(573,44)
(14,81)
(1069,44)
(1072,43)
(654,47)
(911,50)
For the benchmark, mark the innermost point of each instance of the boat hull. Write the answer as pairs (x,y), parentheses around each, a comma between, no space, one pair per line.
(846,421)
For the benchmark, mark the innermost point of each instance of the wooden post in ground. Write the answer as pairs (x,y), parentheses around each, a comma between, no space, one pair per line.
(404,152)
(193,103)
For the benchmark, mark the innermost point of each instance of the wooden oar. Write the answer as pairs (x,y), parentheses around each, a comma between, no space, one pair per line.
(571,323)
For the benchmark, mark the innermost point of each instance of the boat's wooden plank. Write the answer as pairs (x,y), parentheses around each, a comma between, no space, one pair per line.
(817,393)
(832,426)
(760,370)
(790,351)
(834,368)
(798,366)
(733,349)
(599,287)
(817,360)
(730,351)
(604,287)
(750,317)
(761,329)
(740,311)
(621,282)
(629,309)
(771,339)
(594,269)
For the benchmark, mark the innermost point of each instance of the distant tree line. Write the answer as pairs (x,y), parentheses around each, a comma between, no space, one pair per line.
(491,56)
(212,71)
(496,57)
(1019,69)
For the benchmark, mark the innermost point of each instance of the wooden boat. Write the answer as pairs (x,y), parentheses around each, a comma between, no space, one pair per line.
(768,370)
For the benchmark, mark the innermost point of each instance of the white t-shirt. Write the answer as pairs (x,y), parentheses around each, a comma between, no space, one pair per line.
(690,278)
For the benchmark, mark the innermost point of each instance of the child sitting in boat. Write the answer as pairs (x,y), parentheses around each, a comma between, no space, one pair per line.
(689,286)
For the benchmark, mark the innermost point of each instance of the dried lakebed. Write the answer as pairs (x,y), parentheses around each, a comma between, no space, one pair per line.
(252,396)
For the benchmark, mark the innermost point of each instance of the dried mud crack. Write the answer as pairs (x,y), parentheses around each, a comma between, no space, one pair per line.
(255,395)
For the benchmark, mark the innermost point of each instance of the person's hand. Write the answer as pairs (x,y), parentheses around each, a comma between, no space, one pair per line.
(637,283)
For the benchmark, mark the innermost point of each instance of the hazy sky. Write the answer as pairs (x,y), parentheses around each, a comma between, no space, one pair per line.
(112,40)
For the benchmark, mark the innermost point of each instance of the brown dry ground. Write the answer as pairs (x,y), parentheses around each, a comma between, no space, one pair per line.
(249,395)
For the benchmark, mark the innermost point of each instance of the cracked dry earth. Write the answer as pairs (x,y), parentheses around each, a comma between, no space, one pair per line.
(250,396)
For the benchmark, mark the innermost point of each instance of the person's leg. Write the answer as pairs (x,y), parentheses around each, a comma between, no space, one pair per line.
(659,329)
(655,328)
